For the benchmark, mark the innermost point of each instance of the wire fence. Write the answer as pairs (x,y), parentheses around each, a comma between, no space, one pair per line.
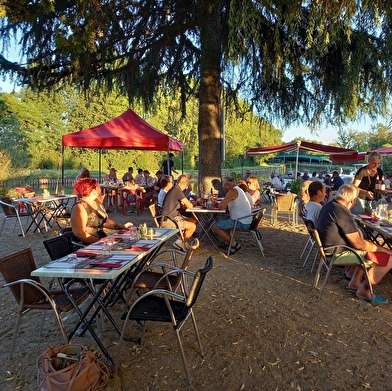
(37,184)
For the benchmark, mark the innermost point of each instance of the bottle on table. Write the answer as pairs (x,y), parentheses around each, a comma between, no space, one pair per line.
(382,183)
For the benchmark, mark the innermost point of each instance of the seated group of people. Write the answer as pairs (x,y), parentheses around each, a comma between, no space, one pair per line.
(237,202)
(336,226)
(89,217)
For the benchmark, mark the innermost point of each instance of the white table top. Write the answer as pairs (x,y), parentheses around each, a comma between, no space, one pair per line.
(383,227)
(88,258)
(49,198)
(200,209)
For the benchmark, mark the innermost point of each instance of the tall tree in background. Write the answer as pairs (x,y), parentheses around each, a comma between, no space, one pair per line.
(291,60)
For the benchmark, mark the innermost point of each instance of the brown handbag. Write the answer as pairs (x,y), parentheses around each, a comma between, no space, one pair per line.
(70,368)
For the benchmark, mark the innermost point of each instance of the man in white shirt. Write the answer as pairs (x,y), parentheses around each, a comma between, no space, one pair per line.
(238,205)
(276,182)
(317,191)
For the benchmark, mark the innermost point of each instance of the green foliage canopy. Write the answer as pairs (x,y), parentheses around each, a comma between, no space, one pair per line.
(293,61)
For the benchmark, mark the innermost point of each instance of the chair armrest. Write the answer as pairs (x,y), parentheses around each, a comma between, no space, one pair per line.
(184,273)
(163,292)
(174,252)
(27,281)
(346,248)
(165,273)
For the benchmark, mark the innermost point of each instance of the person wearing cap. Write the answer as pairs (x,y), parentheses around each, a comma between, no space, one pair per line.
(112,177)
(167,166)
(246,175)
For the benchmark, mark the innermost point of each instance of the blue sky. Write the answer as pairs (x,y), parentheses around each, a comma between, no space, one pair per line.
(328,134)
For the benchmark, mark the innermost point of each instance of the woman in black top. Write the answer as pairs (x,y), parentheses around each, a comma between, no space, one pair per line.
(365,179)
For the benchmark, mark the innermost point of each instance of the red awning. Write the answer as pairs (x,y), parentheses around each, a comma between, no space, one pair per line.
(128,131)
(333,152)
(383,151)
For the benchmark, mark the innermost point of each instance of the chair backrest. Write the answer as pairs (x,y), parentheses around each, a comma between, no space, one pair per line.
(256,219)
(198,282)
(8,208)
(25,192)
(18,266)
(310,227)
(285,202)
(65,231)
(316,237)
(59,246)
(153,212)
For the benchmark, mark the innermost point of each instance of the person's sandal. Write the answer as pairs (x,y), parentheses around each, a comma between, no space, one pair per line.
(234,249)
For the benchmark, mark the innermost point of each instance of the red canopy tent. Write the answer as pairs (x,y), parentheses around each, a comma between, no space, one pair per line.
(382,151)
(334,153)
(128,131)
(362,155)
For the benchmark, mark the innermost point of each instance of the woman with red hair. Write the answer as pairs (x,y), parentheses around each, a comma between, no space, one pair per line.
(89,217)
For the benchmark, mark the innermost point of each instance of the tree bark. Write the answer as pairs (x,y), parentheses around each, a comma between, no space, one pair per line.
(210,108)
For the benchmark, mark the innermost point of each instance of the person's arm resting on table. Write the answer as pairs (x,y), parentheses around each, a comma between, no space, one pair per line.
(231,195)
(110,224)
(186,203)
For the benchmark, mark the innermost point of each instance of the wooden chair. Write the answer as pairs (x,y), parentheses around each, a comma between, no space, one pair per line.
(257,215)
(31,294)
(284,203)
(153,211)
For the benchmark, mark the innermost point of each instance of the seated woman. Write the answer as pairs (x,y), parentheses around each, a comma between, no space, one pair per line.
(244,187)
(254,190)
(89,217)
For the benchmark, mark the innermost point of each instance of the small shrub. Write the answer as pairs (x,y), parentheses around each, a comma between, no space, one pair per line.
(295,186)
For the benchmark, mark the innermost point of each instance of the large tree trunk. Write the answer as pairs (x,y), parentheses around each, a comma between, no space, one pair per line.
(210,110)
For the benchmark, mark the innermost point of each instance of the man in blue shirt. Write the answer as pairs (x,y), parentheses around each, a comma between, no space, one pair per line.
(336,182)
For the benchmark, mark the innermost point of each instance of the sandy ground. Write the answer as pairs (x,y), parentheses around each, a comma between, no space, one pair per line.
(261,323)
